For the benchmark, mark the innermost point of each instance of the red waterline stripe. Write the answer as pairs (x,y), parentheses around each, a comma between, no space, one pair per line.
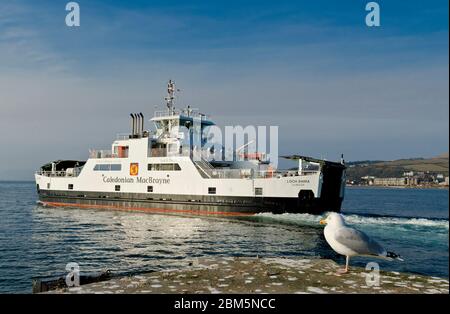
(148,209)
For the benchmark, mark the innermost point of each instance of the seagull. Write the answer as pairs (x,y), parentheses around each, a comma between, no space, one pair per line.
(348,241)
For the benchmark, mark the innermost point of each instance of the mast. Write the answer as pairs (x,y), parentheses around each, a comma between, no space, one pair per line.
(170,96)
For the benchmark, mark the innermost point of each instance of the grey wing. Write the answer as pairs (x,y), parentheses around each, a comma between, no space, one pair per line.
(358,241)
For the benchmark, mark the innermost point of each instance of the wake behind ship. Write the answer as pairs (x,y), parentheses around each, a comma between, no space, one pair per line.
(164,172)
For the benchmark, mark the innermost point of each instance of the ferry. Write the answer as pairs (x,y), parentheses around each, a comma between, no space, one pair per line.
(160,171)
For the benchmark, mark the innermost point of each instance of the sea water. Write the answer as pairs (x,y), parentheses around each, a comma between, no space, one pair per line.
(38,242)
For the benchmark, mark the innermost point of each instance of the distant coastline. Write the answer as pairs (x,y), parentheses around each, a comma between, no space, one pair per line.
(415,173)
(399,187)
(17,181)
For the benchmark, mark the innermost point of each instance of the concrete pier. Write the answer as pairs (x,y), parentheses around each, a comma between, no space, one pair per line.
(264,275)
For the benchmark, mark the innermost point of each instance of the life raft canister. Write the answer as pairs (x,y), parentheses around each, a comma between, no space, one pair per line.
(269,173)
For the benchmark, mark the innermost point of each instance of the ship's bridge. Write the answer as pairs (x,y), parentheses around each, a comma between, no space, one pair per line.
(175,128)
(173,120)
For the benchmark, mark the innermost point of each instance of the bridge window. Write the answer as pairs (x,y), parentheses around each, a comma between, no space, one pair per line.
(258,191)
(149,188)
(211,190)
(121,151)
(117,188)
(164,167)
(108,167)
(70,186)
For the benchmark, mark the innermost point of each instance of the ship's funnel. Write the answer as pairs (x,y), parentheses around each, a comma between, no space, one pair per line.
(135,123)
(132,124)
(138,124)
(142,122)
(136,130)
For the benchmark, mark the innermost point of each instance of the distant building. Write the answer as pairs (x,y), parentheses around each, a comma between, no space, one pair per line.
(408,179)
(412,181)
(367,180)
(390,181)
(440,178)
(408,174)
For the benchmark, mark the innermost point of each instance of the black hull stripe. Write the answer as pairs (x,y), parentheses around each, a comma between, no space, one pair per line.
(188,203)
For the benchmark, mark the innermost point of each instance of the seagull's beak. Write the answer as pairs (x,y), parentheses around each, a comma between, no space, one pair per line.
(323,222)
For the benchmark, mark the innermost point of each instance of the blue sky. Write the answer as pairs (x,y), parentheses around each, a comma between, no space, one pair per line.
(313,68)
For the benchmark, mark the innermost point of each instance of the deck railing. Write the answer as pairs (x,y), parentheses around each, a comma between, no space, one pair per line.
(103,153)
(123,136)
(252,174)
(200,158)
(70,172)
(192,112)
(163,152)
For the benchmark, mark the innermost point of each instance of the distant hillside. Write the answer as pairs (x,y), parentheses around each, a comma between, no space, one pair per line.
(396,168)
(363,162)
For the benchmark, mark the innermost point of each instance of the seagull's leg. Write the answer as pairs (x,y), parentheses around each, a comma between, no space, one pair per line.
(345,270)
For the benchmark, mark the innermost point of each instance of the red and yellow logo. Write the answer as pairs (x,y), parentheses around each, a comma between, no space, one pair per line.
(134,169)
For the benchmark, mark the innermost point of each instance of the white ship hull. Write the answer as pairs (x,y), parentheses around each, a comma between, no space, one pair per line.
(187,191)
